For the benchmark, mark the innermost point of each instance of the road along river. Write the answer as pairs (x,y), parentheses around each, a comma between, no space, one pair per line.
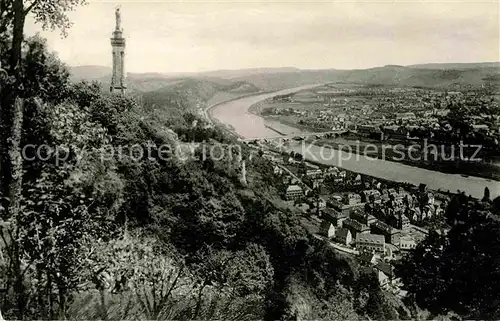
(236,115)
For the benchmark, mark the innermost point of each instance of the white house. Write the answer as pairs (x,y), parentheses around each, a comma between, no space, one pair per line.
(370,242)
(278,170)
(407,242)
(343,235)
(327,229)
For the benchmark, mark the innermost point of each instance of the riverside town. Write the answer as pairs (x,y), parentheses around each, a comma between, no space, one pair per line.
(166,160)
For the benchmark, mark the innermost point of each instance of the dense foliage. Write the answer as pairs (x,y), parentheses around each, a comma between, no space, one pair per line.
(459,271)
(105,233)
(109,227)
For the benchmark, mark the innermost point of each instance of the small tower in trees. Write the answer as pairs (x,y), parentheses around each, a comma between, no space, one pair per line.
(118,83)
(243,177)
(486,197)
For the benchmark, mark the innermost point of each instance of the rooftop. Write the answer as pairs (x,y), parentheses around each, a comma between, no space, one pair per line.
(333,213)
(384,267)
(342,232)
(370,238)
(356,225)
(407,238)
(353,195)
(294,188)
(382,226)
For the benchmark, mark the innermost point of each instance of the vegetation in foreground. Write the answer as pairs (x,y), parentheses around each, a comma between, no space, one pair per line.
(125,239)
(458,272)
(118,238)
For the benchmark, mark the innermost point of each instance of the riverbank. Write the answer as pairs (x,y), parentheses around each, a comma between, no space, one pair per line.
(226,127)
(236,114)
(396,172)
(385,151)
(388,152)
(247,125)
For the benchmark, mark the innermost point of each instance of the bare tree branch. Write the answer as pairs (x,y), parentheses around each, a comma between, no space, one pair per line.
(30,7)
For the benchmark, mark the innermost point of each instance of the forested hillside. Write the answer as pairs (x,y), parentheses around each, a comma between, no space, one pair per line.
(113,208)
(194,94)
(110,227)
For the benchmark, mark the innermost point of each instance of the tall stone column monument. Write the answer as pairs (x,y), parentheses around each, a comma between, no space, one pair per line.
(118,84)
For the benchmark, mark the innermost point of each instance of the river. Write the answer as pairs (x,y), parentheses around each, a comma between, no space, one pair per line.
(236,115)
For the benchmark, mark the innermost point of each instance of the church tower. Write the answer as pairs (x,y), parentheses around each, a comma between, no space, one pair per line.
(118,44)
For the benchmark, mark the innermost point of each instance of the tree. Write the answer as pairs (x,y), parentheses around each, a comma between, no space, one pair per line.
(13,15)
(496,206)
(62,205)
(367,288)
(51,14)
(43,74)
(457,272)
(299,302)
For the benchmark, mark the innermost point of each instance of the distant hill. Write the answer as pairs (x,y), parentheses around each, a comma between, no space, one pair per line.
(405,76)
(457,66)
(387,75)
(276,81)
(229,74)
(100,72)
(89,72)
(204,89)
(252,80)
(144,82)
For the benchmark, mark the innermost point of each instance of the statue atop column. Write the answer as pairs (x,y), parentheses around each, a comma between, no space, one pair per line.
(118,47)
(118,19)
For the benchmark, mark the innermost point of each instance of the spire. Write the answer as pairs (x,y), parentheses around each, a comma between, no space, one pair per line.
(118,19)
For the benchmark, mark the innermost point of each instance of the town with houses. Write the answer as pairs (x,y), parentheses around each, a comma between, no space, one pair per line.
(396,113)
(377,221)
(187,236)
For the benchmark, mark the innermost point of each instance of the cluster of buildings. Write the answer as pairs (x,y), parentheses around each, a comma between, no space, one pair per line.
(328,108)
(428,118)
(377,217)
(395,113)
(390,205)
(325,119)
(362,198)
(365,232)
(377,222)
(315,176)
(368,218)
(429,127)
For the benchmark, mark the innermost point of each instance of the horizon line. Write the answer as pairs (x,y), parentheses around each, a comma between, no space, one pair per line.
(287,67)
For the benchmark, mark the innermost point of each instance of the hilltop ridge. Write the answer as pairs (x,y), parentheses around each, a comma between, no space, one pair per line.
(459,66)
(424,75)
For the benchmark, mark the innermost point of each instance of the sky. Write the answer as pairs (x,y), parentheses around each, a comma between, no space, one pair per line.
(190,36)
